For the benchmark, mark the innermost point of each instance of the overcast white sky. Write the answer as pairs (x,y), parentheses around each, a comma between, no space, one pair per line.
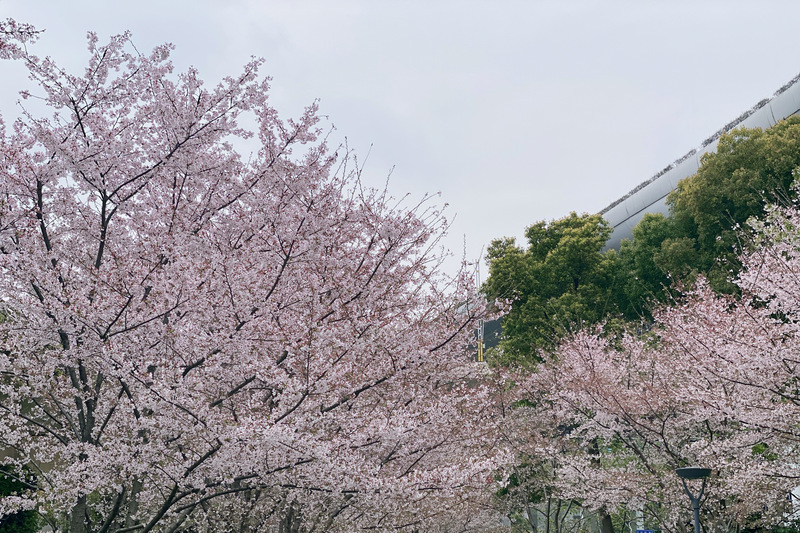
(516,111)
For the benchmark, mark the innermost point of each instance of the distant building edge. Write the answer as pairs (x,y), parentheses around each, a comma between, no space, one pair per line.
(650,196)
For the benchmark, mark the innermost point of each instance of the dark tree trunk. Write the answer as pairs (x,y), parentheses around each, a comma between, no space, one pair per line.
(606,525)
(77,519)
(547,516)
(290,523)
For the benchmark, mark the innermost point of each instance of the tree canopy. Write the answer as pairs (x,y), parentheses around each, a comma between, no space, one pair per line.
(750,169)
(195,341)
(564,280)
(561,281)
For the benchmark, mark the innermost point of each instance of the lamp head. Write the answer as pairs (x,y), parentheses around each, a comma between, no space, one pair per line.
(693,472)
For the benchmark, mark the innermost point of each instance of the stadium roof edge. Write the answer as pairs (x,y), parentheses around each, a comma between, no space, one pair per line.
(650,195)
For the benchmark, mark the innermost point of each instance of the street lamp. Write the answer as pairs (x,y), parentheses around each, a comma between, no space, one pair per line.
(694,472)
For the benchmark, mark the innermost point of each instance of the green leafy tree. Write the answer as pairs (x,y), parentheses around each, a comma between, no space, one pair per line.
(645,278)
(650,262)
(702,235)
(751,168)
(562,281)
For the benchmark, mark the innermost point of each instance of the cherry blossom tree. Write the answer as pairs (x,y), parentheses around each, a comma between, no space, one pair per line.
(192,340)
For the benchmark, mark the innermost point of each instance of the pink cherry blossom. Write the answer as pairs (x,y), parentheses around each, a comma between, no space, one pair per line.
(195,341)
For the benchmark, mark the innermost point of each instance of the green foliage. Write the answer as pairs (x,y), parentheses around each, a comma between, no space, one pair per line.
(517,484)
(20,522)
(703,234)
(750,169)
(642,262)
(792,526)
(762,449)
(651,262)
(561,281)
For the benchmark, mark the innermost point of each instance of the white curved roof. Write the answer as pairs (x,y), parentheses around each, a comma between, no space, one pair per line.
(651,196)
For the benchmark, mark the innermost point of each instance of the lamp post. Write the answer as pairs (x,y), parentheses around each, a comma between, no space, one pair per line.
(694,472)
